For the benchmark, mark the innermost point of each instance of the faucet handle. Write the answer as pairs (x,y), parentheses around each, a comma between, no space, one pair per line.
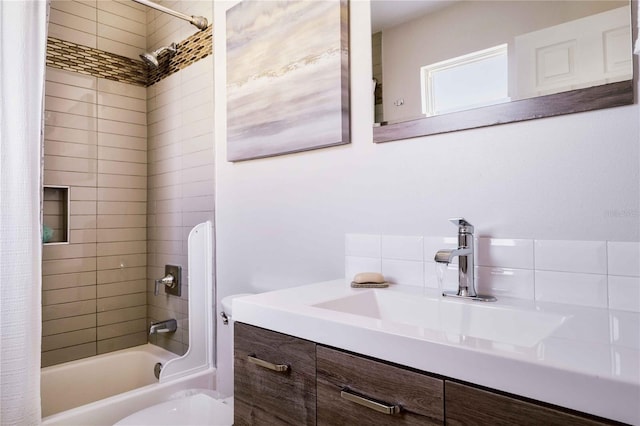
(462,224)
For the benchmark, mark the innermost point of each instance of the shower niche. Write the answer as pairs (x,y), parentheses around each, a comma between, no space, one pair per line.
(55,216)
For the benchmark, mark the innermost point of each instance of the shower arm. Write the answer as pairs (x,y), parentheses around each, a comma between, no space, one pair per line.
(199,21)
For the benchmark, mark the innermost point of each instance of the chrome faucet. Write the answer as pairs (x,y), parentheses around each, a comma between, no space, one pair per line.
(464,253)
(167,326)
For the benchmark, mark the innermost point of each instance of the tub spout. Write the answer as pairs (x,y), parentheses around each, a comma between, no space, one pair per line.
(168,326)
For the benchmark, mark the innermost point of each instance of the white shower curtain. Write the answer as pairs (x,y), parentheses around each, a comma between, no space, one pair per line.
(23,33)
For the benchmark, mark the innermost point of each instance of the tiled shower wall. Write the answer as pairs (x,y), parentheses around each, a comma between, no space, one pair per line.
(94,291)
(181,168)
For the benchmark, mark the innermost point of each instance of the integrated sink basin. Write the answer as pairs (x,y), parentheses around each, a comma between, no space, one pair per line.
(456,319)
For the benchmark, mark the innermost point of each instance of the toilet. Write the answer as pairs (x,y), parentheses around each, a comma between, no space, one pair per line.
(194,406)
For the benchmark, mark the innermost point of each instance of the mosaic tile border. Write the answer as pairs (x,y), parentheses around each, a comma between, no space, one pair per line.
(74,57)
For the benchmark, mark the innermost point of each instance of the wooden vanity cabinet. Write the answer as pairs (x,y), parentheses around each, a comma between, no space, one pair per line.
(467,405)
(353,390)
(265,396)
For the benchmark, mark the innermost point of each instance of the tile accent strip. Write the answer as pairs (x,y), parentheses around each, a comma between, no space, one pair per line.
(70,56)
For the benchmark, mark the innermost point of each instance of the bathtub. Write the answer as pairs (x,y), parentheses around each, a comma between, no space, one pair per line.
(103,389)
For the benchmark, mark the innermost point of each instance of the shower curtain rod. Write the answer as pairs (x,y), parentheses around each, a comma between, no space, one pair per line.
(199,21)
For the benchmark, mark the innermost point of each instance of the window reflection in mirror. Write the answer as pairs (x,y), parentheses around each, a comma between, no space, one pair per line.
(432,57)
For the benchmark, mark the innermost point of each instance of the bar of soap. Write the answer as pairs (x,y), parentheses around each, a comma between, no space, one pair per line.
(368,277)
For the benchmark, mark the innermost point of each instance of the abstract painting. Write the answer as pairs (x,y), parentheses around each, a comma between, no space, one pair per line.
(287,77)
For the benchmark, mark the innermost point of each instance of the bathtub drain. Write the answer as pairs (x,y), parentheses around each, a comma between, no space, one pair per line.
(157,369)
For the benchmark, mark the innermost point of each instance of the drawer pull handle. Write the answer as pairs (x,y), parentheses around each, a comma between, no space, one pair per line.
(369,403)
(280,368)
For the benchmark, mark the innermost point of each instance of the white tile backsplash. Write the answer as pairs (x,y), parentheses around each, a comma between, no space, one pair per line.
(505,282)
(571,288)
(624,258)
(355,264)
(504,253)
(624,293)
(405,272)
(625,329)
(402,247)
(588,273)
(571,256)
(362,245)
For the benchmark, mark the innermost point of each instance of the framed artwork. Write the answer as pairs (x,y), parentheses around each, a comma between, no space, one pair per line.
(287,77)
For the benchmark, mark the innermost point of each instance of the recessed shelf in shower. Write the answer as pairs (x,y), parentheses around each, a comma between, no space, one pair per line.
(55,216)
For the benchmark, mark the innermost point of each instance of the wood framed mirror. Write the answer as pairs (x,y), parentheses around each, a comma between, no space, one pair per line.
(443,66)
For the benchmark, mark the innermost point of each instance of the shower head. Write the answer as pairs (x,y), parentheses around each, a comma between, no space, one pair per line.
(151,58)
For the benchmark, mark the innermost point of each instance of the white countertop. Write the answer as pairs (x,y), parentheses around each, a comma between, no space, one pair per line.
(590,363)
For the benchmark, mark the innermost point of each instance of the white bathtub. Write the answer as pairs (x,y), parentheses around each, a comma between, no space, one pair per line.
(103,389)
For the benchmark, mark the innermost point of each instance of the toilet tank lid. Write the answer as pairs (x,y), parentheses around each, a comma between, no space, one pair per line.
(228,301)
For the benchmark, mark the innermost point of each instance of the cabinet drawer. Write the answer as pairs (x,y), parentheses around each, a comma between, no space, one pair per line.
(265,396)
(419,397)
(467,405)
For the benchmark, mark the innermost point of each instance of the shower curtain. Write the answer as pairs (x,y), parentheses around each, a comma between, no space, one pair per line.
(23,37)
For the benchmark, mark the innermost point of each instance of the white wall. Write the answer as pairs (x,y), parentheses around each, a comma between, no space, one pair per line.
(281,221)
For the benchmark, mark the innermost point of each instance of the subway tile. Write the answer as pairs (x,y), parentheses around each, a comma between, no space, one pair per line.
(402,247)
(69,78)
(122,221)
(198,144)
(71,353)
(623,258)
(356,264)
(625,362)
(118,154)
(362,245)
(123,89)
(73,121)
(121,128)
(82,208)
(121,275)
(122,342)
(198,128)
(69,34)
(123,234)
(404,272)
(122,168)
(121,181)
(65,325)
(71,338)
(122,207)
(56,148)
(82,235)
(505,282)
(50,267)
(119,114)
(433,244)
(121,315)
(122,23)
(79,94)
(121,261)
(571,256)
(624,293)
(120,302)
(121,194)
(81,9)
(67,295)
(122,329)
(120,248)
(83,194)
(204,203)
(80,23)
(131,143)
(121,102)
(504,253)
(69,178)
(82,222)
(56,282)
(119,48)
(122,288)
(571,288)
(117,33)
(625,329)
(123,10)
(68,251)
(65,310)
(86,109)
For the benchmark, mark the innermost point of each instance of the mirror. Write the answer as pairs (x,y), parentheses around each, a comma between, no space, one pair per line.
(445,65)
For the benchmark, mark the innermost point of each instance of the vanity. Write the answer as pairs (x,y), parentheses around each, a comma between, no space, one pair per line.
(329,354)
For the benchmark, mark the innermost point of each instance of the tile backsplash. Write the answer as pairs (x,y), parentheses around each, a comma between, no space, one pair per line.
(603,274)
